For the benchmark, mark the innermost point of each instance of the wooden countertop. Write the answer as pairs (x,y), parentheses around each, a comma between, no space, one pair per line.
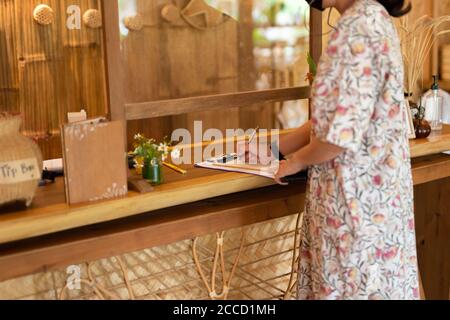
(437,142)
(49,213)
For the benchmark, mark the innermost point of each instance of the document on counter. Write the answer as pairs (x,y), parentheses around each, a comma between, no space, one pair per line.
(238,166)
(267,171)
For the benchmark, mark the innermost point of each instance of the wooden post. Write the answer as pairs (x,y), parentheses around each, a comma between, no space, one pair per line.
(315,38)
(315,35)
(113,63)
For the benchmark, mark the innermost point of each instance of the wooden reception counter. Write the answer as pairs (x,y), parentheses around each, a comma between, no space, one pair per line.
(52,234)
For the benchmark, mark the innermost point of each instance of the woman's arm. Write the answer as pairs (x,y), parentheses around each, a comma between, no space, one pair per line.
(296,140)
(316,152)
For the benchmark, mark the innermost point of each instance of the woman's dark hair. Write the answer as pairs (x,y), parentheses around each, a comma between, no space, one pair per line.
(396,8)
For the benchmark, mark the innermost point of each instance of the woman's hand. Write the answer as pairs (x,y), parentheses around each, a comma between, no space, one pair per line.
(288,168)
(258,154)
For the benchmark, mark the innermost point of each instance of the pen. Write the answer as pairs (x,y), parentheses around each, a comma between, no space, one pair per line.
(174,168)
(224,159)
(253,135)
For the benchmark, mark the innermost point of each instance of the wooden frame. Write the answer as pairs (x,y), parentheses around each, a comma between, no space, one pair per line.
(114,73)
(155,109)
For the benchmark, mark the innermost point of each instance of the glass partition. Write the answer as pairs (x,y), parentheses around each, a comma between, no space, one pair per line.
(185,48)
(175,49)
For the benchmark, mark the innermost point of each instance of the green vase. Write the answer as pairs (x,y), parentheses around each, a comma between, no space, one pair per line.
(153,172)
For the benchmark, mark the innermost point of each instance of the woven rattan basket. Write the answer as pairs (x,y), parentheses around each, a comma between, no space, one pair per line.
(20,162)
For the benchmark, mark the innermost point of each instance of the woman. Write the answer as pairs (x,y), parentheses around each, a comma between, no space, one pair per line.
(358,240)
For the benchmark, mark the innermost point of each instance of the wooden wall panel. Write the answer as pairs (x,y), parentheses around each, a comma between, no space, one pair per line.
(9,73)
(433,237)
(441,7)
(49,70)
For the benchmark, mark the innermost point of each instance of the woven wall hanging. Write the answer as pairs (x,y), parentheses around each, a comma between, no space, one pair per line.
(134,23)
(92,18)
(43,15)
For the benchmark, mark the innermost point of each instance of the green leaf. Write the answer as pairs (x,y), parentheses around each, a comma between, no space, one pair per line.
(312,64)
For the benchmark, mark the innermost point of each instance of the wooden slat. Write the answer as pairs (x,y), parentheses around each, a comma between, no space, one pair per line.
(431,169)
(114,72)
(316,34)
(315,39)
(155,109)
(150,230)
(113,62)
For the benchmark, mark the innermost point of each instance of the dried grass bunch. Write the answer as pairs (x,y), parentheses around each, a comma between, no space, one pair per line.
(417,40)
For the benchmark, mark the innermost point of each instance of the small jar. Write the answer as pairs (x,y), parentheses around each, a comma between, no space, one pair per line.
(20,160)
(422,128)
(153,171)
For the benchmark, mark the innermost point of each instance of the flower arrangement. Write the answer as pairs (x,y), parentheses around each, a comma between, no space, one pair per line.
(149,156)
(417,41)
(149,149)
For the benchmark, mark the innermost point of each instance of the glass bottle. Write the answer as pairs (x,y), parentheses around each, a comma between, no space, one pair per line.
(433,106)
(153,171)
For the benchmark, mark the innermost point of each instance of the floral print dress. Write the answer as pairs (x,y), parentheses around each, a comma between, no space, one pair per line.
(358,239)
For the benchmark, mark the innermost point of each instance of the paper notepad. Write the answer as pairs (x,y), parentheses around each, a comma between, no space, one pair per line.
(267,171)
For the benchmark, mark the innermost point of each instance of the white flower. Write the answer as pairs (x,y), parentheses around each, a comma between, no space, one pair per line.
(137,165)
(137,136)
(176,154)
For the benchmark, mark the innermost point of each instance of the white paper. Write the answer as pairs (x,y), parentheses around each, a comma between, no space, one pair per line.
(53,165)
(265,171)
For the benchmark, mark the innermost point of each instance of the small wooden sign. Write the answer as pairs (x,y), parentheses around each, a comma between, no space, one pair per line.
(94,161)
